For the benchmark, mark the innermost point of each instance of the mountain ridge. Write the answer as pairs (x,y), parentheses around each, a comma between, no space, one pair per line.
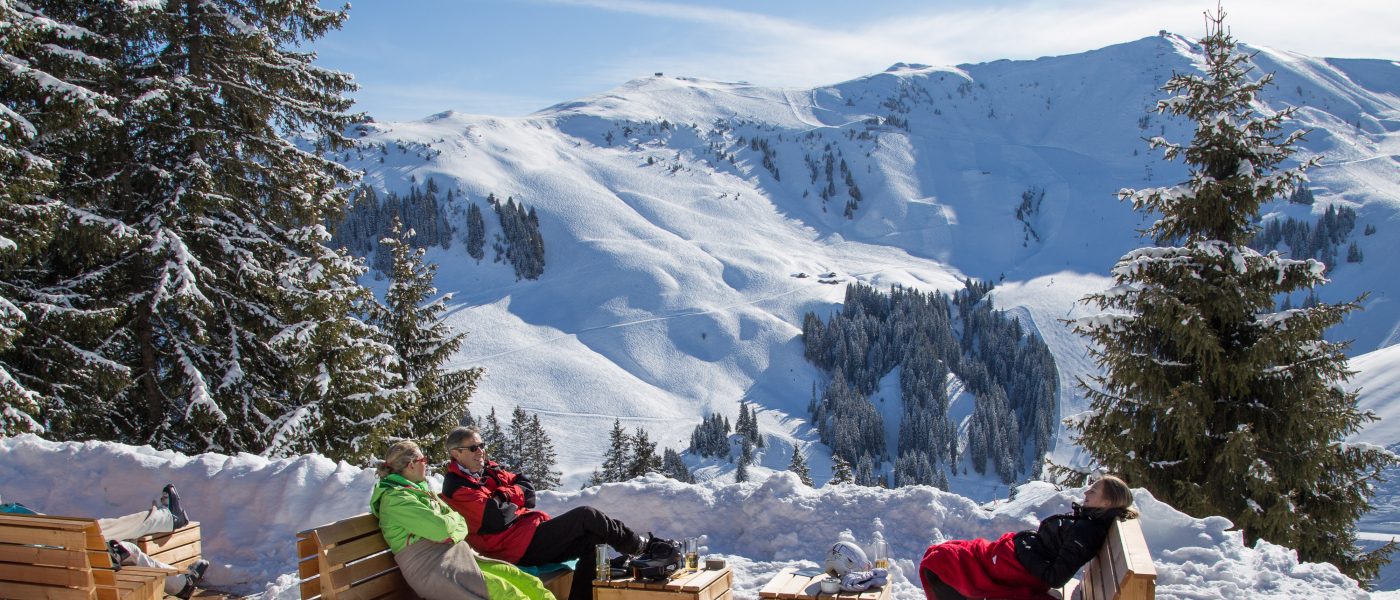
(672,236)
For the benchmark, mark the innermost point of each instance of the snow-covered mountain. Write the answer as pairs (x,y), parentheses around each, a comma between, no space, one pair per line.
(676,213)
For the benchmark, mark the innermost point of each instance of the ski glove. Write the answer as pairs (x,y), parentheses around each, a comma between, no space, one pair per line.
(859,581)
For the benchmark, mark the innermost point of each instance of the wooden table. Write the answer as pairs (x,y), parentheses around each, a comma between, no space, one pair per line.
(790,584)
(699,585)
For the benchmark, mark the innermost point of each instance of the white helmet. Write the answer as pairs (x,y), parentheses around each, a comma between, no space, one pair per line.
(845,557)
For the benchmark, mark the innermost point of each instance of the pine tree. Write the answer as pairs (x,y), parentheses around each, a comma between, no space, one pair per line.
(618,459)
(1354,253)
(238,327)
(476,232)
(511,451)
(1210,399)
(644,458)
(798,465)
(866,472)
(674,467)
(492,434)
(840,470)
(538,457)
(747,425)
(412,321)
(52,325)
(741,472)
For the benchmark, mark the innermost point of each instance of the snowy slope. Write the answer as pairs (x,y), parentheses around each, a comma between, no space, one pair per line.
(250,509)
(668,292)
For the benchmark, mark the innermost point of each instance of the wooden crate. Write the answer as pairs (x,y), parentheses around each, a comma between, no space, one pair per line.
(791,584)
(179,548)
(699,585)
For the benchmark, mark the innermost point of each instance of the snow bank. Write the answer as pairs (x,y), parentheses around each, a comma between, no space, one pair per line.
(251,508)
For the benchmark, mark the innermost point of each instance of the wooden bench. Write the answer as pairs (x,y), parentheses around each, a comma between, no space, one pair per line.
(789,584)
(1122,570)
(697,585)
(179,548)
(65,558)
(349,560)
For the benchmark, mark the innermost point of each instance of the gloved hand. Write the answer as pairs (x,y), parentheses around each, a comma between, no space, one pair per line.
(504,499)
(859,581)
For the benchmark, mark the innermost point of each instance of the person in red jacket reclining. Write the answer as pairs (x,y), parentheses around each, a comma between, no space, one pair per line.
(502,523)
(1026,565)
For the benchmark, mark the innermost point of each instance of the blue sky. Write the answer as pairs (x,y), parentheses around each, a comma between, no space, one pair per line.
(413,58)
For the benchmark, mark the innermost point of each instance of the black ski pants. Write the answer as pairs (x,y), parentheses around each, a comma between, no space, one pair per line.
(573,535)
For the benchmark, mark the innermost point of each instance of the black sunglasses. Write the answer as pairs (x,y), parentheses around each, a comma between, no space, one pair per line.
(472,448)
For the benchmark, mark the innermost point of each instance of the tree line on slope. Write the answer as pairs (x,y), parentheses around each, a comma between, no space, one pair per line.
(1319,241)
(634,455)
(519,242)
(1011,373)
(370,217)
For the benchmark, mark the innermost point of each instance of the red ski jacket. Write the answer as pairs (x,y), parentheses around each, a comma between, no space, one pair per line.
(498,506)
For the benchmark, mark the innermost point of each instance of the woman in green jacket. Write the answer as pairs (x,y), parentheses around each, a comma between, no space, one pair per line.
(426,537)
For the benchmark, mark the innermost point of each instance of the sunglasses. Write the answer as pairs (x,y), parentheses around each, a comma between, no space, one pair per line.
(472,448)
(421,459)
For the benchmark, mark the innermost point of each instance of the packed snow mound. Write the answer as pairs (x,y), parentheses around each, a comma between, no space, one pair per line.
(250,509)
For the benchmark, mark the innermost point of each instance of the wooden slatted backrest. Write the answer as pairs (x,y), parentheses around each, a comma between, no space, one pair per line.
(179,548)
(109,585)
(348,560)
(1123,568)
(43,557)
(60,558)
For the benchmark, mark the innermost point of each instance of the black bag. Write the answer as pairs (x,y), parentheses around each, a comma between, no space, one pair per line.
(658,561)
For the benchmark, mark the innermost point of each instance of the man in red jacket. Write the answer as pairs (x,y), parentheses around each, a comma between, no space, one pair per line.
(499,508)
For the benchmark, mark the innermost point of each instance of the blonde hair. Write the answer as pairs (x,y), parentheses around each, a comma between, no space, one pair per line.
(398,456)
(1118,495)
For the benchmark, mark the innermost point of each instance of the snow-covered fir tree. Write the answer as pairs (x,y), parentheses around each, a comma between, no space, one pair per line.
(747,424)
(798,465)
(618,459)
(50,323)
(204,244)
(674,467)
(493,435)
(533,450)
(476,232)
(741,469)
(372,215)
(520,242)
(840,470)
(1213,399)
(711,437)
(643,455)
(510,451)
(411,318)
